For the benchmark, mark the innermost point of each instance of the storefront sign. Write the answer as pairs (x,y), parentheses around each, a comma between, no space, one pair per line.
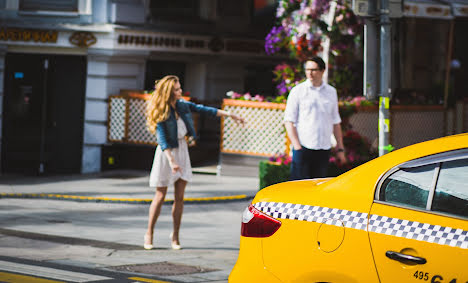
(460,10)
(425,10)
(187,43)
(82,39)
(27,35)
(160,40)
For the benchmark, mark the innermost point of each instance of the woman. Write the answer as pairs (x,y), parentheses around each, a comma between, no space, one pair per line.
(170,117)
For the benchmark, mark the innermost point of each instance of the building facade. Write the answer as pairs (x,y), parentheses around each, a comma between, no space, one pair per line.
(60,60)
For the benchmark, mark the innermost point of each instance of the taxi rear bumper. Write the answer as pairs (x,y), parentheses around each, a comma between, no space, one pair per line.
(249,266)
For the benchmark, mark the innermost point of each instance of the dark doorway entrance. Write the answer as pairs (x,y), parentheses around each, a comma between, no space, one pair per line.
(43,113)
(156,70)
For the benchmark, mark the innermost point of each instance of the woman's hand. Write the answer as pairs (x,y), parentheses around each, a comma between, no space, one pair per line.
(191,141)
(238,119)
(174,166)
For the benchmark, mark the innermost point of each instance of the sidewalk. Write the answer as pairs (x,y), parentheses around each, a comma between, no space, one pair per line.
(109,236)
(127,186)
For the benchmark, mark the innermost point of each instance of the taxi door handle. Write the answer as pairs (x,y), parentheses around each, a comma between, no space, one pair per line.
(403,257)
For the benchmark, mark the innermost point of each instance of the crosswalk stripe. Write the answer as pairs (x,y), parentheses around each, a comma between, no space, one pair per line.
(11,278)
(58,274)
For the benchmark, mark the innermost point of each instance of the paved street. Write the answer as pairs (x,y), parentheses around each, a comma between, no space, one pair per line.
(105,235)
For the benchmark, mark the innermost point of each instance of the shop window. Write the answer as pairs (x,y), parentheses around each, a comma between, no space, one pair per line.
(49,5)
(258,79)
(263,14)
(451,195)
(233,8)
(419,60)
(156,70)
(174,10)
(408,186)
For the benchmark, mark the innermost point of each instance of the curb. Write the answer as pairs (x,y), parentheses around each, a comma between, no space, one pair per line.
(124,200)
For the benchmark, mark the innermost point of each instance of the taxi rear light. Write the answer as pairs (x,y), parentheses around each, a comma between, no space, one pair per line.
(257,224)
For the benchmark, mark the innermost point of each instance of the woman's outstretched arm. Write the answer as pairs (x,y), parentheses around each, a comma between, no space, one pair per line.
(224,113)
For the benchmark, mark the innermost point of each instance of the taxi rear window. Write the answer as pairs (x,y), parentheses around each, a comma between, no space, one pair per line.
(409,186)
(451,194)
(441,186)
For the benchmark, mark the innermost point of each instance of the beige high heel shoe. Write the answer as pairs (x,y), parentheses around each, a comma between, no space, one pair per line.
(173,245)
(145,245)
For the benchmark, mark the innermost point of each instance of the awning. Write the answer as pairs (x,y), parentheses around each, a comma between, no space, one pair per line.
(435,9)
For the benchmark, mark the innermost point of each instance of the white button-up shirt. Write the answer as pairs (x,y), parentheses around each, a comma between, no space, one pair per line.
(314,111)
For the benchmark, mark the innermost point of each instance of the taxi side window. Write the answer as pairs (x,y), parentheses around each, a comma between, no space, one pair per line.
(451,194)
(408,186)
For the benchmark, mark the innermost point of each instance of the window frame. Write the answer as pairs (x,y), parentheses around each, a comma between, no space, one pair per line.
(438,158)
(84,8)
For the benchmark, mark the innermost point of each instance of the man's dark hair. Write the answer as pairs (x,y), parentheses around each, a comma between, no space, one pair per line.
(319,61)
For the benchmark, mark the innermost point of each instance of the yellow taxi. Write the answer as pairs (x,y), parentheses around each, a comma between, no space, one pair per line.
(402,217)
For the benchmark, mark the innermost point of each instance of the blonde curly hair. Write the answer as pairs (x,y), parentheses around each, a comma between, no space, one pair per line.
(158,108)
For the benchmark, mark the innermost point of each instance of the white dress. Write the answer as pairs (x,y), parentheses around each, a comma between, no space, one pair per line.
(161,173)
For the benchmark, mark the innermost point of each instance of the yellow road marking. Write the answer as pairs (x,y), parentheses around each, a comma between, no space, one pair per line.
(11,277)
(121,199)
(147,280)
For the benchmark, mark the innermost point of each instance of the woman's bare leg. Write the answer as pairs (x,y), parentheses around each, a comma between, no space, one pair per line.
(178,208)
(154,211)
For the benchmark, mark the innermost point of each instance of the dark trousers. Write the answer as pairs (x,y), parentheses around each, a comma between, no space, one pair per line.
(309,163)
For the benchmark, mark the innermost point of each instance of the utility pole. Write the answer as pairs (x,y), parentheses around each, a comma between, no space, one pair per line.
(377,58)
(385,71)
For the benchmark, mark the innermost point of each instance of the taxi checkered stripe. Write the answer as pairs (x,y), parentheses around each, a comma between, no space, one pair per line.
(350,219)
(357,220)
(419,231)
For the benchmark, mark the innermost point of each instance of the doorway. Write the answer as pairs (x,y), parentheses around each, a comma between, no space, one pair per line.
(43,110)
(156,70)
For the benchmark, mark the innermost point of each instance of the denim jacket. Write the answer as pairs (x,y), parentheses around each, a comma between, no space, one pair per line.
(166,131)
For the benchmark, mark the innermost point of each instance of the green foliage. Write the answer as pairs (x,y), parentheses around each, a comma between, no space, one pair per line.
(271,173)
(358,151)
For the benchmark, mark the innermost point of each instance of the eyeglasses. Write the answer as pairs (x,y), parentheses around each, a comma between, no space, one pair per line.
(313,70)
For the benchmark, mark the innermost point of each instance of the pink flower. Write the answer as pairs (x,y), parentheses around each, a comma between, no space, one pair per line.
(352,157)
(303,27)
(307,11)
(259,98)
(236,95)
(247,96)
(339,18)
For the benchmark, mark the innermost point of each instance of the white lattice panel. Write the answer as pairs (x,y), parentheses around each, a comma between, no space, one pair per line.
(117,119)
(262,134)
(137,130)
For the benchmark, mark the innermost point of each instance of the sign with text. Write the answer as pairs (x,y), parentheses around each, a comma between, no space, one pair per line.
(28,35)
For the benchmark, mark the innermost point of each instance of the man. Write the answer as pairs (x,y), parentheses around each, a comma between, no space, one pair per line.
(311,116)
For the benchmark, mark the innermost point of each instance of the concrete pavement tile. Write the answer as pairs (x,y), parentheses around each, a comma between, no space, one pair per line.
(42,250)
(215,275)
(186,278)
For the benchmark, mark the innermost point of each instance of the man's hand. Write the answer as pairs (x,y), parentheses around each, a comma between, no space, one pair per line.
(341,157)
